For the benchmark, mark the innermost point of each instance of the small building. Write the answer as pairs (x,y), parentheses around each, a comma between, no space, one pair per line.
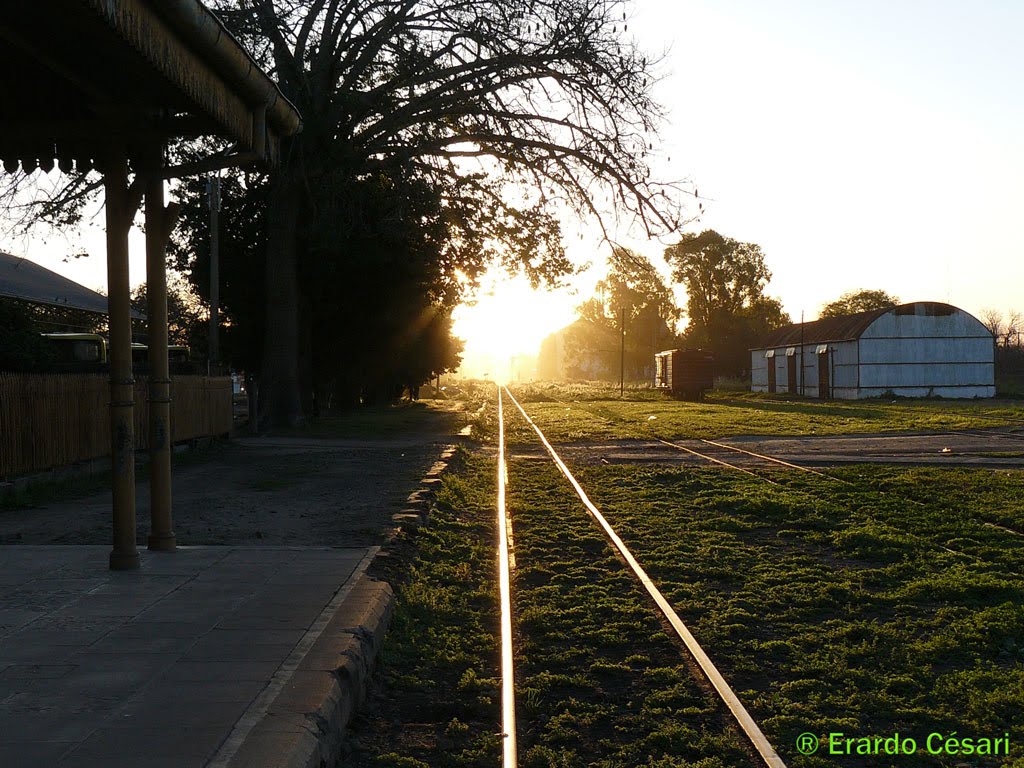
(922,349)
(685,373)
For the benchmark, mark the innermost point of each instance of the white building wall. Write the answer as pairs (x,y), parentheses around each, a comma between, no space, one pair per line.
(927,355)
(758,371)
(908,355)
(845,369)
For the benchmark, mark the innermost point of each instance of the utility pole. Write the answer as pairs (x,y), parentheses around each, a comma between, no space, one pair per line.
(622,351)
(801,353)
(213,195)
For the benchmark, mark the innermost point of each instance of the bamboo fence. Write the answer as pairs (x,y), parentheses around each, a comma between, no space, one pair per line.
(53,420)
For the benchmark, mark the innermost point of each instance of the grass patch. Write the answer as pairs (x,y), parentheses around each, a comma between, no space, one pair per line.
(437,694)
(600,681)
(387,421)
(577,412)
(841,608)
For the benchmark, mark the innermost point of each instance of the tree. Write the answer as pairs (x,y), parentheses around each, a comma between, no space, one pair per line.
(992,319)
(1005,331)
(186,316)
(507,112)
(22,348)
(862,300)
(475,98)
(725,302)
(633,298)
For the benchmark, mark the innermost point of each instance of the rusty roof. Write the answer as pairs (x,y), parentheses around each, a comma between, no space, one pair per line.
(846,327)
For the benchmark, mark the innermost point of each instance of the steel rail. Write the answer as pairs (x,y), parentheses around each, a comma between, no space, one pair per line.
(716,461)
(1017,436)
(746,722)
(508,692)
(777,461)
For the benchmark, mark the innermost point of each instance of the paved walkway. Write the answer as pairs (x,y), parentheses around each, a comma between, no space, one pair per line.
(210,656)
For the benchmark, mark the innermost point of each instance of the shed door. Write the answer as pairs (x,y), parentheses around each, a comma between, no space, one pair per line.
(824,390)
(791,372)
(771,375)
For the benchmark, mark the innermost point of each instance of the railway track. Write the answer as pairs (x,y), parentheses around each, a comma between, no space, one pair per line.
(718,453)
(756,465)
(742,717)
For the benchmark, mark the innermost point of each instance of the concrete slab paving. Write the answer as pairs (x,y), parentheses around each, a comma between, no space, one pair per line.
(213,657)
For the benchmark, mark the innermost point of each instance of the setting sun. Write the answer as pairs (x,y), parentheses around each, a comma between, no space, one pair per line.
(504,326)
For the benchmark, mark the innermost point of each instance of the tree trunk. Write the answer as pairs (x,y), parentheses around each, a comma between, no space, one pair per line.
(280,397)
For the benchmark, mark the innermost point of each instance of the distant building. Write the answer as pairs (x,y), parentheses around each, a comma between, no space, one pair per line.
(26,281)
(580,351)
(34,285)
(923,349)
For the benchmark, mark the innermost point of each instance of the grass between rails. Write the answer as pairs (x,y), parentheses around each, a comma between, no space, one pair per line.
(577,412)
(600,683)
(835,608)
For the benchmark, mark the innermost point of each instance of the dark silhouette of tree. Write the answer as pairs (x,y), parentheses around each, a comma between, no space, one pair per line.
(186,316)
(506,108)
(378,282)
(861,300)
(22,348)
(724,281)
(508,111)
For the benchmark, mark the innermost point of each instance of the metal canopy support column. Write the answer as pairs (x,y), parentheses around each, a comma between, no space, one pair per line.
(159,223)
(122,429)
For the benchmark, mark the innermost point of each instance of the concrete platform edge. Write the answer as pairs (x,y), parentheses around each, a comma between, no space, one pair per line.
(304,725)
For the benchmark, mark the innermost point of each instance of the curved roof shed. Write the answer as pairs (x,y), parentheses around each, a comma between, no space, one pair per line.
(920,349)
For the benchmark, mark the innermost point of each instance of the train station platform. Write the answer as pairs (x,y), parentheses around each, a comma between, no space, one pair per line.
(211,656)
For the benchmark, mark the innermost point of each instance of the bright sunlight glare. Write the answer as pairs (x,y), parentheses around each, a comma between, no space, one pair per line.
(504,326)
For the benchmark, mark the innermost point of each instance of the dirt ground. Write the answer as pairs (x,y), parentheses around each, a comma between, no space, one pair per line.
(274,491)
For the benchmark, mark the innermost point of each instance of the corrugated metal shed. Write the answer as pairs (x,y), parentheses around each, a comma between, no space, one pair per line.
(847,327)
(921,349)
(827,329)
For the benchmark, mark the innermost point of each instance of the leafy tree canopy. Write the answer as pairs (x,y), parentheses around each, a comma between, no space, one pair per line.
(486,119)
(21,346)
(724,281)
(632,298)
(186,315)
(861,300)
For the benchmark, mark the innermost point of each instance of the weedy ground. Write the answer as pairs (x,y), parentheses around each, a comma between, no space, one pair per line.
(435,700)
(592,411)
(842,608)
(889,599)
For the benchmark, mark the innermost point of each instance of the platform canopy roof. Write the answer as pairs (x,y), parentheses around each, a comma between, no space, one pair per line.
(81,75)
(24,280)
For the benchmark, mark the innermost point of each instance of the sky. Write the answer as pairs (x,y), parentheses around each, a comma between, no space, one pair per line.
(861,144)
